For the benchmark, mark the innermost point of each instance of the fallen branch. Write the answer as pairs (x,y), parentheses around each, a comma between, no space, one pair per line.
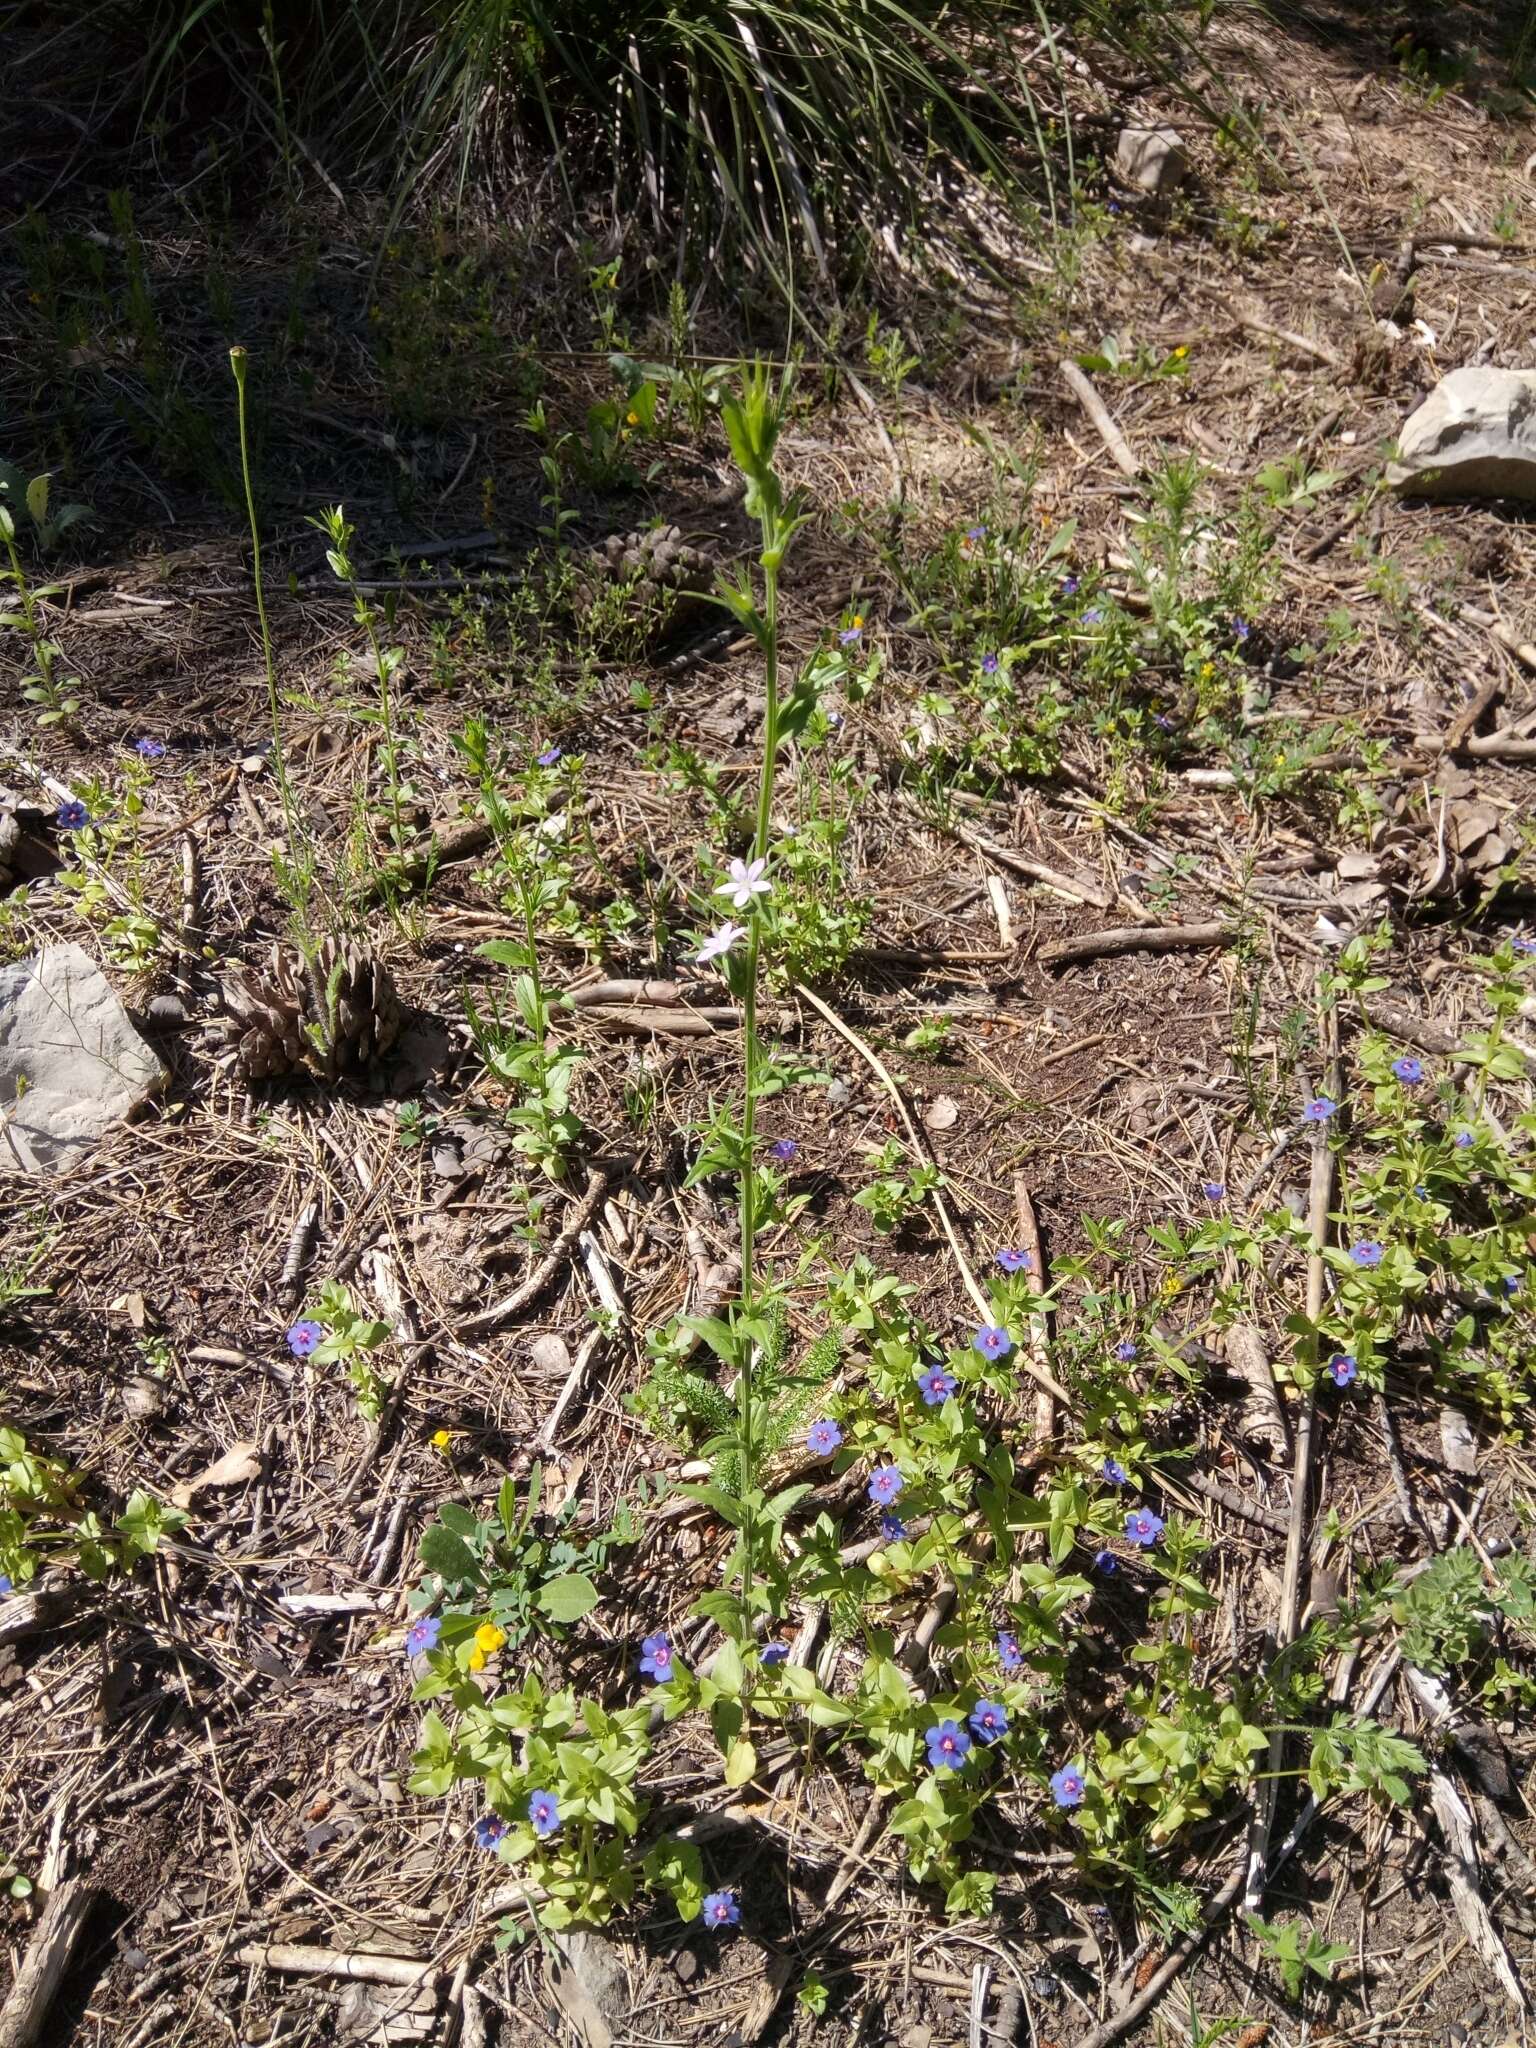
(1121,2022)
(576,1222)
(290,1959)
(1099,413)
(1300,342)
(456,842)
(47,1958)
(1167,938)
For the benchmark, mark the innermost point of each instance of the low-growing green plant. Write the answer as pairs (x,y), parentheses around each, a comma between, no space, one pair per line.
(336,1332)
(109,873)
(384,662)
(42,1521)
(521,1571)
(29,502)
(1298,1951)
(534,877)
(51,693)
(897,1193)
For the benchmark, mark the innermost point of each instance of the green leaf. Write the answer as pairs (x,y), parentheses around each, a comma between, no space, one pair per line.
(740,1762)
(727,1674)
(448,1555)
(568,1598)
(725,1507)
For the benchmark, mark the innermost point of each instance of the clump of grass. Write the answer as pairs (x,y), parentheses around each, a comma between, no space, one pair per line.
(805,136)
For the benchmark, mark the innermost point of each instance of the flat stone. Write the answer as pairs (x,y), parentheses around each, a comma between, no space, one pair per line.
(1152,159)
(1473,437)
(71,1064)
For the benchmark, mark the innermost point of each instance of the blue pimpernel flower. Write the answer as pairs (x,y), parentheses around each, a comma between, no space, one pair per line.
(989,664)
(549,757)
(656,1658)
(544,1814)
(1069,586)
(1106,1562)
(851,632)
(1343,1368)
(823,1438)
(149,750)
(892,1528)
(975,533)
(988,1721)
(1240,630)
(885,1482)
(1125,1351)
(5,1586)
(1009,1655)
(773,1654)
(489,1829)
(71,816)
(992,1342)
(948,1746)
(305,1337)
(1408,1070)
(1213,1190)
(1464,1139)
(721,1910)
(422,1635)
(783,1150)
(1368,1253)
(1094,616)
(1014,1260)
(1523,945)
(1510,1283)
(1068,1786)
(1319,1109)
(1143,1528)
(936,1385)
(1114,1472)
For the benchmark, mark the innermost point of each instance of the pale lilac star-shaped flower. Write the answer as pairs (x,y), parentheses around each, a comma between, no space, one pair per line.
(745,881)
(720,942)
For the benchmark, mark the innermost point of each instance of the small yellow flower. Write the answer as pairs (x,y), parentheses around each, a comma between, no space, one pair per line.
(1207,670)
(477,1660)
(1180,353)
(631,419)
(856,623)
(441,1439)
(489,1638)
(1171,1284)
(1280,759)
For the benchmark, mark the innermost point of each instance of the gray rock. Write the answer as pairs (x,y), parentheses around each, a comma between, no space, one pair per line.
(1473,437)
(71,1064)
(1152,159)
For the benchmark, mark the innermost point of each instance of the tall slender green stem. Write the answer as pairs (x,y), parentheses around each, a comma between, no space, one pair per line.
(298,866)
(750,1060)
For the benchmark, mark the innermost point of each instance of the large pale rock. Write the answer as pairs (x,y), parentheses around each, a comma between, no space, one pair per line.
(1152,159)
(71,1064)
(1473,437)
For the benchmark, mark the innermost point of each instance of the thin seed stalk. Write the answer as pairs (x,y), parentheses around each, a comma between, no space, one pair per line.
(750,1061)
(279,769)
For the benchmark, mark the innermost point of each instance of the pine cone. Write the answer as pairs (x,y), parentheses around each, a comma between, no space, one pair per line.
(326,1019)
(664,575)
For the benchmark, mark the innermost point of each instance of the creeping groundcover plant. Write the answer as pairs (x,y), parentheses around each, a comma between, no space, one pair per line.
(909,1510)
